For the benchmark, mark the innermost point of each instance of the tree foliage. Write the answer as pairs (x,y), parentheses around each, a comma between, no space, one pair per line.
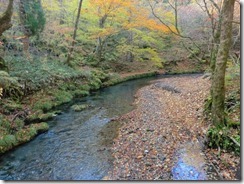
(31,17)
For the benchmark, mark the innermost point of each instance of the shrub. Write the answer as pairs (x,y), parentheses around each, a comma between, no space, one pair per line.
(10,86)
(219,138)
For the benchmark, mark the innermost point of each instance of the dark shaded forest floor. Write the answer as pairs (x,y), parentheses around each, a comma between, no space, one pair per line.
(168,118)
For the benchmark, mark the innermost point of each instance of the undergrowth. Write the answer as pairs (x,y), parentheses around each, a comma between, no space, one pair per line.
(221,137)
(37,73)
(227,136)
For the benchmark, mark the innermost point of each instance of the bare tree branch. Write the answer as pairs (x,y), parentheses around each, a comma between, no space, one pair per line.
(215,5)
(170,29)
(191,51)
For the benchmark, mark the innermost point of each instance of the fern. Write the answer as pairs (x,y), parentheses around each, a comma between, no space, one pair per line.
(9,85)
(6,81)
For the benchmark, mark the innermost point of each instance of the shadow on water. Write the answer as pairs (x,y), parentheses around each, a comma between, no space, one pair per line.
(76,147)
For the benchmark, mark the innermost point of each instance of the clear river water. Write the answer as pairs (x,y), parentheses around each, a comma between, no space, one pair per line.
(73,148)
(77,145)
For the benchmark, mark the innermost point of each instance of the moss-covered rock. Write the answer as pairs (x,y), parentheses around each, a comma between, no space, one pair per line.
(45,117)
(30,132)
(95,83)
(119,79)
(8,140)
(84,87)
(38,116)
(44,104)
(62,97)
(52,99)
(34,116)
(79,107)
(100,75)
(80,93)
(24,135)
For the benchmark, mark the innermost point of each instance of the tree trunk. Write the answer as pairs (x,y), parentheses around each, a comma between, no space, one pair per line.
(26,45)
(27,32)
(5,24)
(218,81)
(215,43)
(74,35)
(129,54)
(99,49)
(5,19)
(61,13)
(214,49)
(100,41)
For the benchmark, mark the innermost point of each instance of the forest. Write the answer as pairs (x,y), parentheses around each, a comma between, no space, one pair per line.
(163,74)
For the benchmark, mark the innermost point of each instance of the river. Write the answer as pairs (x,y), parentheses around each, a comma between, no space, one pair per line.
(73,148)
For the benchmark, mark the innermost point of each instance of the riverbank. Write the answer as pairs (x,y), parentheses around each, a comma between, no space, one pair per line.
(77,144)
(36,88)
(22,121)
(164,137)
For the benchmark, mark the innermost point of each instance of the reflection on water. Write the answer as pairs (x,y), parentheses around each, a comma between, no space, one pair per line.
(190,164)
(183,171)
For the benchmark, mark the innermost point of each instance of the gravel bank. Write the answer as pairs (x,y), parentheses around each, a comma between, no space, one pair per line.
(168,117)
